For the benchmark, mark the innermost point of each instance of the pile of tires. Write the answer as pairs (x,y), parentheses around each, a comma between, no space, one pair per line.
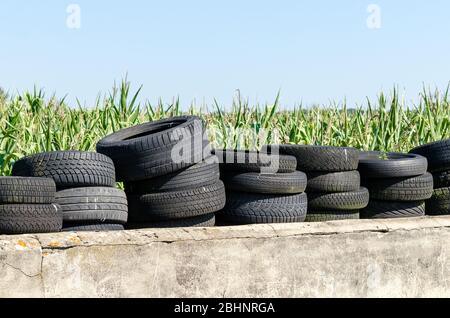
(398,183)
(334,189)
(438,155)
(170,177)
(27,205)
(85,184)
(261,188)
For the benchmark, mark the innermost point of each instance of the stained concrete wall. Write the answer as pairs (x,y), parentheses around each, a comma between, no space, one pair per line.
(386,258)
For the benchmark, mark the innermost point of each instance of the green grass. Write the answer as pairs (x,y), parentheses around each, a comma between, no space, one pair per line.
(31,123)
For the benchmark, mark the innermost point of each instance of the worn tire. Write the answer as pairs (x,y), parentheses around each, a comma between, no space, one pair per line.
(201,174)
(398,165)
(207,220)
(277,183)
(439,204)
(18,190)
(30,218)
(94,204)
(93,227)
(69,169)
(254,161)
(331,182)
(145,151)
(437,153)
(324,216)
(181,204)
(251,208)
(322,158)
(354,200)
(388,209)
(401,189)
(441,179)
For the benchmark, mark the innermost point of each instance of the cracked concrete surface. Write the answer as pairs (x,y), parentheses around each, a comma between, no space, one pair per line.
(359,258)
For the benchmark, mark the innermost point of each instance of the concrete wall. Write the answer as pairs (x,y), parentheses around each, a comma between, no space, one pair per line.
(385,258)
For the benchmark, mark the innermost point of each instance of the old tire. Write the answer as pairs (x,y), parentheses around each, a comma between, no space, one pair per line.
(322,158)
(145,151)
(69,169)
(201,174)
(437,153)
(252,208)
(397,165)
(354,200)
(207,220)
(28,190)
(388,209)
(30,218)
(401,189)
(441,179)
(254,161)
(80,227)
(276,183)
(331,182)
(439,204)
(181,204)
(93,204)
(324,216)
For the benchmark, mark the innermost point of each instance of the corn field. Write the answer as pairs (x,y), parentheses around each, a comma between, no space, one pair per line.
(31,123)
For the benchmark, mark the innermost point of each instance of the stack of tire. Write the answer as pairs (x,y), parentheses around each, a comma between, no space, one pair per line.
(85,184)
(398,183)
(27,206)
(438,155)
(261,188)
(334,191)
(170,177)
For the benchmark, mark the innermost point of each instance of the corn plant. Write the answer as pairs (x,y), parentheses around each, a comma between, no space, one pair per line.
(32,123)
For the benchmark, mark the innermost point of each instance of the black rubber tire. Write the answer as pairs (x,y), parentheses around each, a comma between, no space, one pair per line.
(437,153)
(174,205)
(18,190)
(93,227)
(252,208)
(94,204)
(254,161)
(332,182)
(201,174)
(401,189)
(145,151)
(322,158)
(207,220)
(69,169)
(30,218)
(441,179)
(439,204)
(397,165)
(390,210)
(354,200)
(324,216)
(277,183)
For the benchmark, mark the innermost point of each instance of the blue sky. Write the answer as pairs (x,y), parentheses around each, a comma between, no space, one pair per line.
(313,51)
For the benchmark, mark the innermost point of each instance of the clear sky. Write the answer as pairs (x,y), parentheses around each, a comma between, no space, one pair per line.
(313,51)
